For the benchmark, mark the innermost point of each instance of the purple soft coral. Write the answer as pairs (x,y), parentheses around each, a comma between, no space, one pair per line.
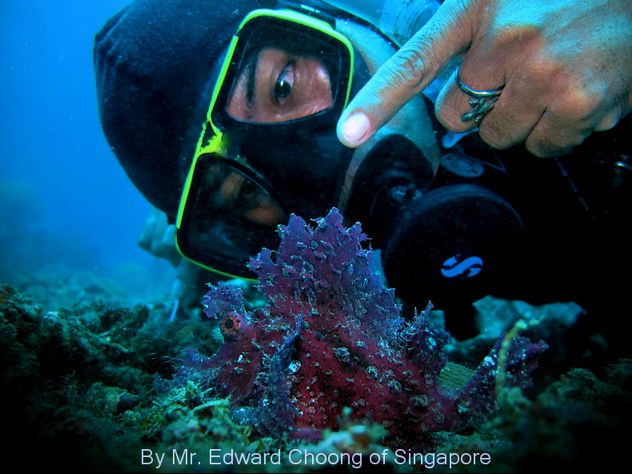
(332,336)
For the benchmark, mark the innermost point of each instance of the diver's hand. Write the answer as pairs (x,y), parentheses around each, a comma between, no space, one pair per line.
(158,238)
(566,68)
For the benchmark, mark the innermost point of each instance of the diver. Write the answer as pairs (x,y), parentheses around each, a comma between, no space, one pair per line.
(230,116)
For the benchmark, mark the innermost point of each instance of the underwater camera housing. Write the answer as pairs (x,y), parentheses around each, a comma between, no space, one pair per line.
(451,243)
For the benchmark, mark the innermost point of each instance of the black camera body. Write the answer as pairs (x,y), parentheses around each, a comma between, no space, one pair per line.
(455,242)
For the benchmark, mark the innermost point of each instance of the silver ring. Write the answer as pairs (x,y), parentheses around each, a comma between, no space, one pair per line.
(481,101)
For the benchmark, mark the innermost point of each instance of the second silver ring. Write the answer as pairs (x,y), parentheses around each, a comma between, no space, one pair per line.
(480,101)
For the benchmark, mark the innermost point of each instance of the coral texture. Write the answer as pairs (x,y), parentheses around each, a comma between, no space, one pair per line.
(331,336)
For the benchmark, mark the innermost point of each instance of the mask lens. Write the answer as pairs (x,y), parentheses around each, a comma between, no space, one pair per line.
(229,217)
(280,75)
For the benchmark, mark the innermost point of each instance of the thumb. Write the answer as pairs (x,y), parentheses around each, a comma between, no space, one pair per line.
(448,33)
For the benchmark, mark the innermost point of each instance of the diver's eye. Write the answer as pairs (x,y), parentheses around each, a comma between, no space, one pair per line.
(249,195)
(284,83)
(282,89)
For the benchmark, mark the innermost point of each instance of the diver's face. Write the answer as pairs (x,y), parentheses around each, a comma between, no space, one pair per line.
(232,193)
(252,202)
(275,86)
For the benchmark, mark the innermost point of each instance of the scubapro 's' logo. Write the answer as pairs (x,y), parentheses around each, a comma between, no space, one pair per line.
(459,266)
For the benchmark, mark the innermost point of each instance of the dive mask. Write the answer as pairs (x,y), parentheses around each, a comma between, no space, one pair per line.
(283,83)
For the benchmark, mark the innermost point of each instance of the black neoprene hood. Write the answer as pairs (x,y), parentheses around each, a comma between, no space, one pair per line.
(153,63)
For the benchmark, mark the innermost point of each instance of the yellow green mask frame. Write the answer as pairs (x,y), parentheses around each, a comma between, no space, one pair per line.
(221,134)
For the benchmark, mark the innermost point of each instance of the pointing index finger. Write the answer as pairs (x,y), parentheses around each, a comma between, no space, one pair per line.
(448,33)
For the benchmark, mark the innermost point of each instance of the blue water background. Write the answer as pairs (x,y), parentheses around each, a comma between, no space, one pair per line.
(63,196)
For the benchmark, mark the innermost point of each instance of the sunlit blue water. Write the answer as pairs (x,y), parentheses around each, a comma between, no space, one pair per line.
(57,173)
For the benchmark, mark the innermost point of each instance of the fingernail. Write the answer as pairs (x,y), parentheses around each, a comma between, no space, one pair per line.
(355,128)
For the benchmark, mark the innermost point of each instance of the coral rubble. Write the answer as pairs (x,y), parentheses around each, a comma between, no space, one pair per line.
(324,356)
